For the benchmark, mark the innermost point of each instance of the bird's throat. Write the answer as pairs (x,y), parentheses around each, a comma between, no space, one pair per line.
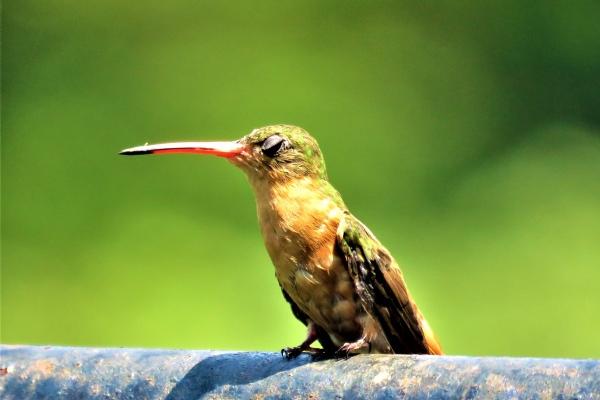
(298,220)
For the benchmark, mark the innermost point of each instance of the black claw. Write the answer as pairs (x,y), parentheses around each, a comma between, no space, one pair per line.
(343,354)
(289,353)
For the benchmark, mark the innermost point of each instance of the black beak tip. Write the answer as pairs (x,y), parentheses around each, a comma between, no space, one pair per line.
(129,152)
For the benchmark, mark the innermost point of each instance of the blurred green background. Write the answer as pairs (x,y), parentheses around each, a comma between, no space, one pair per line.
(465,135)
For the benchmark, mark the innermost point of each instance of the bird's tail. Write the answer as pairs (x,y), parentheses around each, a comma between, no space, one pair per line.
(431,343)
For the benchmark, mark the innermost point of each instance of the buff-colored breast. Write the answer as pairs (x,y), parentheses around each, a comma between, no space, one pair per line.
(299,226)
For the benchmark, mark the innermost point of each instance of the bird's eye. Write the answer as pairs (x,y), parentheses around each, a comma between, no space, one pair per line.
(273,145)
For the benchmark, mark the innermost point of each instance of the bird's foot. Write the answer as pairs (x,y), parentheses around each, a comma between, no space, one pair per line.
(346,349)
(321,355)
(289,353)
(318,354)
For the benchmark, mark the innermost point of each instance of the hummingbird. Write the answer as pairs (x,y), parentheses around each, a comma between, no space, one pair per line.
(339,280)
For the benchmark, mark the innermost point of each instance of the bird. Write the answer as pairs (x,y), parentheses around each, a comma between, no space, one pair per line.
(338,278)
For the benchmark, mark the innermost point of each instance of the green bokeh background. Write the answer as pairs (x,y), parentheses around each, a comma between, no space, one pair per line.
(465,135)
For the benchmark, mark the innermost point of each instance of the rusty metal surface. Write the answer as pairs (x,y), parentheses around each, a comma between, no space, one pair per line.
(32,372)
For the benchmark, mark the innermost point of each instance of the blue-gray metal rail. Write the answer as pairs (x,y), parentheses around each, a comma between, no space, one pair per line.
(35,372)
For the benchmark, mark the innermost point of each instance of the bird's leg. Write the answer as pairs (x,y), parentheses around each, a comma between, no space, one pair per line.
(369,334)
(311,335)
(347,348)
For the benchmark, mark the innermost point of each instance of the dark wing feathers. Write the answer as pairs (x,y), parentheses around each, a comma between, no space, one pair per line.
(381,287)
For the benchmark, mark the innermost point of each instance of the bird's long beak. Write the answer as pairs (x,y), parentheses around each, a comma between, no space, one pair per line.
(221,149)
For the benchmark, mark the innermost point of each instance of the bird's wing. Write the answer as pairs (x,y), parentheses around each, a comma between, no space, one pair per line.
(381,288)
(322,335)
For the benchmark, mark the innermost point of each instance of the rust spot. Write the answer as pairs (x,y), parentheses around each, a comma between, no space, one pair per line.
(3,371)
(44,366)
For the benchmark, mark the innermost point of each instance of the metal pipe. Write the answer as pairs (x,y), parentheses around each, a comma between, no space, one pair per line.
(36,372)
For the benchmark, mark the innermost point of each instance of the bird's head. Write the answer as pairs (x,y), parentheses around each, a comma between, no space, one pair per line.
(279,152)
(272,153)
